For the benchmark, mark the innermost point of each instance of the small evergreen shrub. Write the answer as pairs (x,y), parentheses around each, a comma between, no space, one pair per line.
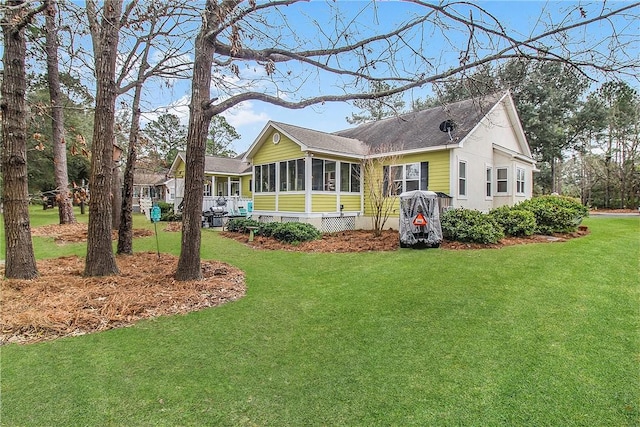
(295,232)
(166,212)
(467,225)
(239,225)
(515,222)
(555,214)
(267,229)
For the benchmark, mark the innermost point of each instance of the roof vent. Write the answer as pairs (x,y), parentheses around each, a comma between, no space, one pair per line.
(447,126)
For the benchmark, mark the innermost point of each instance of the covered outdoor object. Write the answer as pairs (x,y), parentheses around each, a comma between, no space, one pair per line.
(419,220)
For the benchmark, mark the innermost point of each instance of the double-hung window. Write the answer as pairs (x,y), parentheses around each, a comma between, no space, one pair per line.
(502,175)
(407,177)
(462,178)
(520,181)
(489,181)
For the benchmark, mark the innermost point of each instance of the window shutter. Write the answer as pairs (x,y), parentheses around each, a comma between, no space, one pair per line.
(424,176)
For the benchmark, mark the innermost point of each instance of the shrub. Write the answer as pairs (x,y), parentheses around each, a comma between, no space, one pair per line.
(555,214)
(295,232)
(515,222)
(267,229)
(239,225)
(166,212)
(466,225)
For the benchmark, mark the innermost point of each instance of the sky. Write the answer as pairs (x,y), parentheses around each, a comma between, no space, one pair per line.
(312,22)
(250,117)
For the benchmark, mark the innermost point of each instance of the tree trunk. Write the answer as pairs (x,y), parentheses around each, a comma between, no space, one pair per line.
(100,260)
(65,208)
(199,121)
(125,229)
(116,200)
(20,260)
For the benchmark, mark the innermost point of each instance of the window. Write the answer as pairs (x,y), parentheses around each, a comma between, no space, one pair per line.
(489,182)
(292,175)
(323,175)
(520,189)
(407,177)
(235,187)
(501,180)
(462,178)
(350,177)
(265,176)
(207,188)
(222,187)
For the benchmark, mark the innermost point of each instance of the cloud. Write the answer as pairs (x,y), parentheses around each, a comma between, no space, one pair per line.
(245,114)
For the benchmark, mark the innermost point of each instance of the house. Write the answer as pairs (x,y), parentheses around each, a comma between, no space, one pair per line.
(149,188)
(226,180)
(473,153)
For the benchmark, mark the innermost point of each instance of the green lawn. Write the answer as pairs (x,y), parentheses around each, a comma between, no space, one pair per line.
(534,335)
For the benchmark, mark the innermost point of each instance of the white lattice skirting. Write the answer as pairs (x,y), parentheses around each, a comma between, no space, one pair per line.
(335,224)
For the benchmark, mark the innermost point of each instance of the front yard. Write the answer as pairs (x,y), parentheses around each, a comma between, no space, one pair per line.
(541,334)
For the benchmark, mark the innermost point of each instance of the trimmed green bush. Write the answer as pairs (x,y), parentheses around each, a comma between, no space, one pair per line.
(555,214)
(239,225)
(166,212)
(296,232)
(467,225)
(267,229)
(515,222)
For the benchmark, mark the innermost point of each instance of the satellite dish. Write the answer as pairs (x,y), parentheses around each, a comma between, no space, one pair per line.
(447,126)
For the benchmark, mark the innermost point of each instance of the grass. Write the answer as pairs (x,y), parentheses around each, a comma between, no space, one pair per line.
(544,334)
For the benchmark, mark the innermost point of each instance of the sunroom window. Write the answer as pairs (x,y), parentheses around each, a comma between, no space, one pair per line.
(323,175)
(349,177)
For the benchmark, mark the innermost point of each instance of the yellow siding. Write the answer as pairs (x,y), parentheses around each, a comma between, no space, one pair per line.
(291,203)
(269,152)
(323,203)
(180,169)
(439,167)
(351,203)
(245,185)
(264,203)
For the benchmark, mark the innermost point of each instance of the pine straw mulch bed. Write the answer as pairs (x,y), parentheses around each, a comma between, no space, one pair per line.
(74,233)
(363,241)
(61,302)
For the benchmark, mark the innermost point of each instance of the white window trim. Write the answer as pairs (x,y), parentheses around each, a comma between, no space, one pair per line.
(466,180)
(497,192)
(518,181)
(489,181)
(403,167)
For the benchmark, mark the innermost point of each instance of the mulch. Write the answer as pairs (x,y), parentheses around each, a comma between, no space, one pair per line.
(62,302)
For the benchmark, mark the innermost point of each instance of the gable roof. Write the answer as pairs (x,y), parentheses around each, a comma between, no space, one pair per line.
(311,140)
(421,129)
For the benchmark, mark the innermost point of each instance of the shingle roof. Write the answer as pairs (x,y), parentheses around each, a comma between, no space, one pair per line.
(321,141)
(421,129)
(222,165)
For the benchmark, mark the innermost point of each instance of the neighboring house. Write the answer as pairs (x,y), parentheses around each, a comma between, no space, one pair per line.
(149,188)
(226,179)
(473,153)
